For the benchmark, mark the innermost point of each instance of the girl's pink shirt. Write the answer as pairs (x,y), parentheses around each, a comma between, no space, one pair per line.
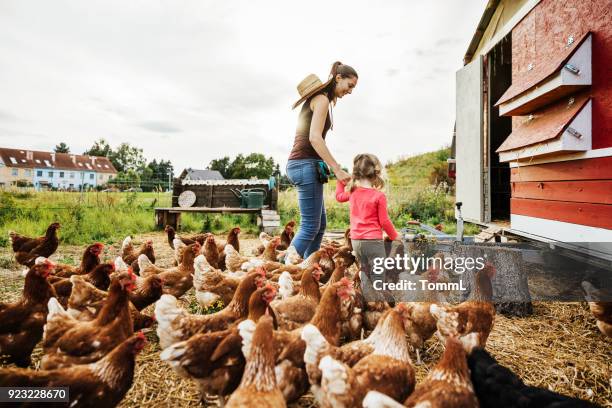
(368,208)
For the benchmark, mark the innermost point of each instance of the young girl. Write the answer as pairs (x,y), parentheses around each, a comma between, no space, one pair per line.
(368,212)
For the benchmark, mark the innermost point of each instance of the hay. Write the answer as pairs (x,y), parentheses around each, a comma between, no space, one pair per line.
(558,348)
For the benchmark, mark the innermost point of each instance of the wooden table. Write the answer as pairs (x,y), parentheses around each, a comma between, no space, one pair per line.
(267,220)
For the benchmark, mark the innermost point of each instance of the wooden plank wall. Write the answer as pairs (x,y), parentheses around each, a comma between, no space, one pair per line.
(577,191)
(221,196)
(541,37)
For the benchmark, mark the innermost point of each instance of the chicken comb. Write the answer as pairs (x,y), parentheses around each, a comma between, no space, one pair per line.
(141,340)
(261,270)
(48,262)
(345,281)
(490,269)
(402,307)
(269,286)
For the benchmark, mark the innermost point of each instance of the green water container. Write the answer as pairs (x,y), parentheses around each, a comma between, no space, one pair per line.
(255,198)
(251,197)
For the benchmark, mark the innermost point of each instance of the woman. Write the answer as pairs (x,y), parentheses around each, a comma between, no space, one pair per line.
(309,149)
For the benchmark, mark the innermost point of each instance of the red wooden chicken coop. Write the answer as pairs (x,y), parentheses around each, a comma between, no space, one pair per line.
(533,128)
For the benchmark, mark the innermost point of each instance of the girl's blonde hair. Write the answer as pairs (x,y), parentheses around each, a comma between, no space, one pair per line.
(366,166)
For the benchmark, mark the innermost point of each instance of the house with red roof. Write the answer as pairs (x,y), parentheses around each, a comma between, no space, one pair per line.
(53,170)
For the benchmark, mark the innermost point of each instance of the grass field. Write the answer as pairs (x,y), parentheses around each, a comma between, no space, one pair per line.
(107,217)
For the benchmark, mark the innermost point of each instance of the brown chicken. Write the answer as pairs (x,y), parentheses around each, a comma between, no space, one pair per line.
(287,236)
(86,301)
(178,280)
(258,386)
(175,324)
(211,252)
(186,239)
(343,259)
(103,383)
(211,284)
(601,309)
(21,323)
(297,310)
(28,249)
(419,322)
(448,384)
(264,239)
(89,260)
(387,370)
(269,253)
(475,315)
(232,239)
(148,289)
(290,369)
(99,277)
(317,257)
(130,255)
(350,353)
(234,261)
(351,311)
(215,360)
(68,341)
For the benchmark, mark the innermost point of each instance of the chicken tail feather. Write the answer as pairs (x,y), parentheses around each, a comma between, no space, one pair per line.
(375,399)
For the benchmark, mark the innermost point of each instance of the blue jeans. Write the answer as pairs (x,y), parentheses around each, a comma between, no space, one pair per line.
(303,174)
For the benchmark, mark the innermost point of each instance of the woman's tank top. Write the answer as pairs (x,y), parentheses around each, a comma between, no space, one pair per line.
(302,148)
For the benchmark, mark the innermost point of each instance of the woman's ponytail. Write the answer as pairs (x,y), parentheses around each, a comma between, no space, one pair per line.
(334,70)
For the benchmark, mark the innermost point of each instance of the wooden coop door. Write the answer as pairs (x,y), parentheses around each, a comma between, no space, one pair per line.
(469,154)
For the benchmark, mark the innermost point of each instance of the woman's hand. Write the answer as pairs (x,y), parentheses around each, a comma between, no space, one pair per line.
(342,175)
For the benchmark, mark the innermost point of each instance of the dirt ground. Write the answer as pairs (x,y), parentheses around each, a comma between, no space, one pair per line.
(558,347)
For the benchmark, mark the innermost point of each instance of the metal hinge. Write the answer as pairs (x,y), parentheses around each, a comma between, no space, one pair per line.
(572,68)
(574,133)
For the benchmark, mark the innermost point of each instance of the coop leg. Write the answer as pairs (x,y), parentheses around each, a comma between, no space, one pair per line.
(418,353)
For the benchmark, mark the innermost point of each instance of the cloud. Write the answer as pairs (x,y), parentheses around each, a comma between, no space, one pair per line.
(448,41)
(159,126)
(391,72)
(194,80)
(6,116)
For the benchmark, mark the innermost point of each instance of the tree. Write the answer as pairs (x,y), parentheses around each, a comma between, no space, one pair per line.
(124,180)
(62,148)
(221,165)
(253,165)
(277,172)
(99,148)
(127,157)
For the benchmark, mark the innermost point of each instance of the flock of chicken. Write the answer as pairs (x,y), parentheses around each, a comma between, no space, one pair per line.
(288,326)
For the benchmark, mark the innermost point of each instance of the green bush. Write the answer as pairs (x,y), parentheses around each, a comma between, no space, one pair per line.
(430,205)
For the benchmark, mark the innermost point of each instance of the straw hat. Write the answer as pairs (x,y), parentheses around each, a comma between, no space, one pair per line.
(308,87)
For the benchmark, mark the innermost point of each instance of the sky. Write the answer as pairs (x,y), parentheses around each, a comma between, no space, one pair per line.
(194,80)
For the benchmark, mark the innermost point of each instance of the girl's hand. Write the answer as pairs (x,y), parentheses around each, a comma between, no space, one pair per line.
(342,175)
